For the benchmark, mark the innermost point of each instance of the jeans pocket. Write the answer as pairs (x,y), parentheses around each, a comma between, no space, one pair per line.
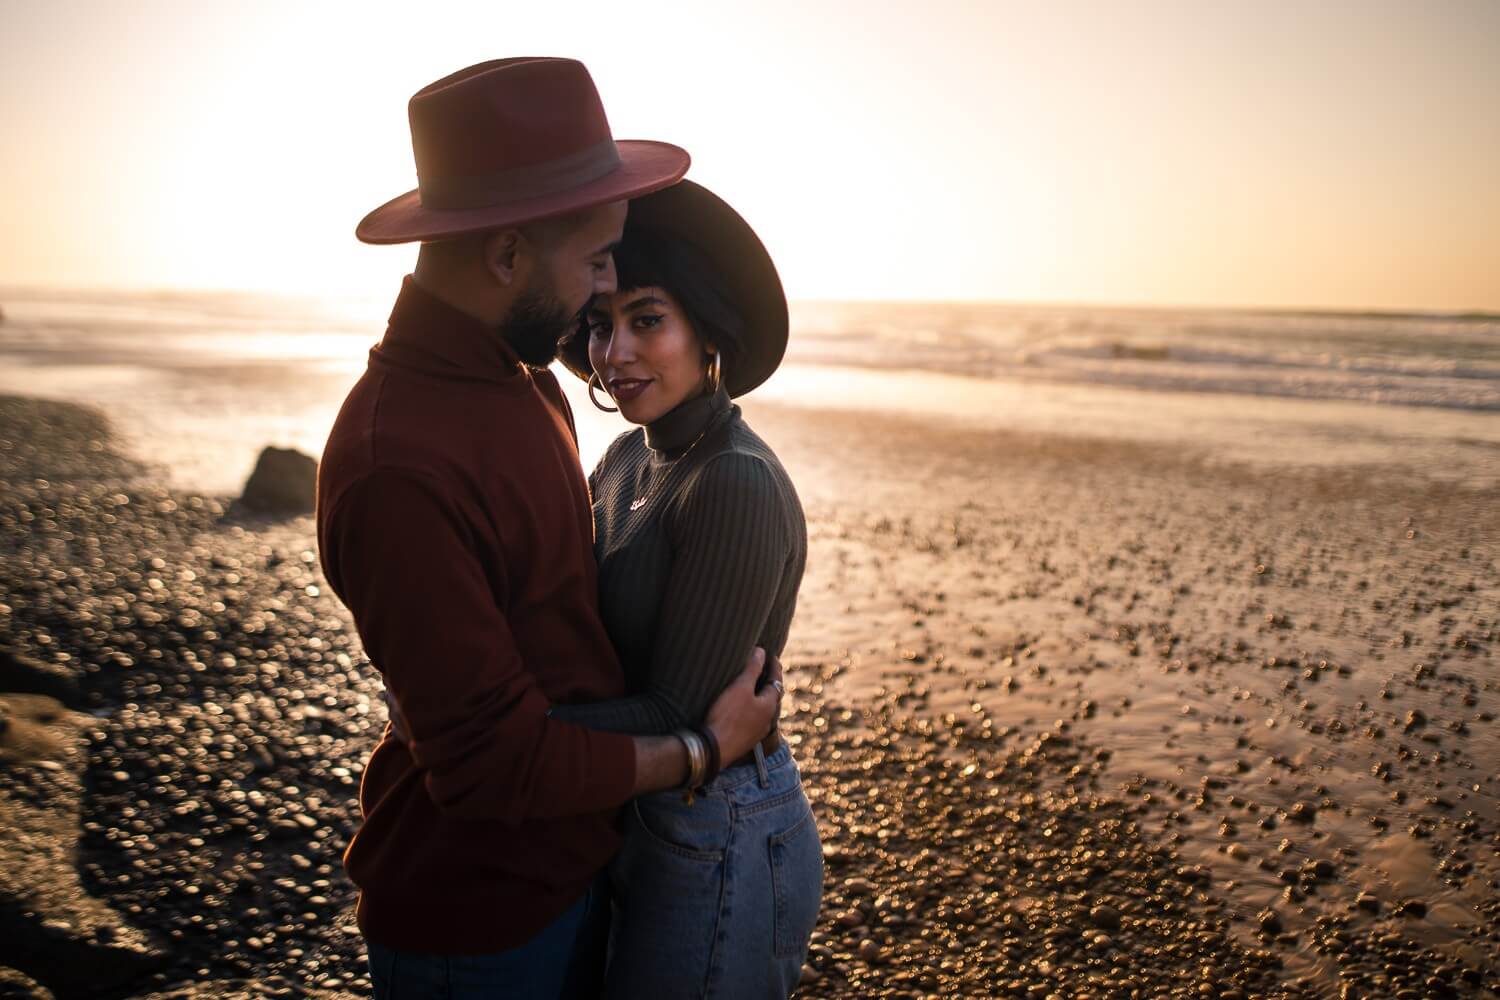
(796,884)
(675,827)
(669,891)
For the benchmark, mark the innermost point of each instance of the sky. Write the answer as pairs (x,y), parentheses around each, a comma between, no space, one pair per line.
(1274,153)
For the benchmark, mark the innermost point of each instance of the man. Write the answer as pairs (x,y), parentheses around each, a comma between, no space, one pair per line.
(454,522)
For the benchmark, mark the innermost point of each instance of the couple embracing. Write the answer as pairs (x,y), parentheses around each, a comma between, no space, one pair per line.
(582,791)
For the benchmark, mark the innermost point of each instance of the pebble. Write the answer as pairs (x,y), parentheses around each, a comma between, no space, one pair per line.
(1322,869)
(967,859)
(1106,917)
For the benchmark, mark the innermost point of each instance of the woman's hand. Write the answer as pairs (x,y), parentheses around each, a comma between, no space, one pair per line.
(748,708)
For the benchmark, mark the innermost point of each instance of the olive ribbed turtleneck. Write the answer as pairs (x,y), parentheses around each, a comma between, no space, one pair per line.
(701,544)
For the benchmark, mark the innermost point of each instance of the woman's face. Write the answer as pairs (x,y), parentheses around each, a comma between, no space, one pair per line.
(646,352)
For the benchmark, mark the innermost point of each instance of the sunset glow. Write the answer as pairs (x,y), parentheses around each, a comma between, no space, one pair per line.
(1334,155)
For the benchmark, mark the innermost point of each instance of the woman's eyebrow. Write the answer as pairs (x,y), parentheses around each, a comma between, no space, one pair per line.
(644,300)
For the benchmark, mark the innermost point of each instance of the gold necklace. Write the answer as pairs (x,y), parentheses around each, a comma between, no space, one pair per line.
(656,481)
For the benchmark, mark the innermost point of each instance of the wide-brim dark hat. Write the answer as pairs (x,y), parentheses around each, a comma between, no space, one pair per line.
(694,214)
(512,141)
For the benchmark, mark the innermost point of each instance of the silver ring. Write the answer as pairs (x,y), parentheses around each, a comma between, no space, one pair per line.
(780,688)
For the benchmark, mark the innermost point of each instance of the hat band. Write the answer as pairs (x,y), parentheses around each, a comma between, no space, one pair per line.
(536,180)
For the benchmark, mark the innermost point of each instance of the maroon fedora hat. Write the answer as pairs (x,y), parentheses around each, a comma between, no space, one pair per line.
(512,141)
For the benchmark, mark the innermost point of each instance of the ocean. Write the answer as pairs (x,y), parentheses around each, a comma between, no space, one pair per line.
(198,382)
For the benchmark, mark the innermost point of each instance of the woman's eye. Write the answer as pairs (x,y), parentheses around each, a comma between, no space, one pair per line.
(598,327)
(647,320)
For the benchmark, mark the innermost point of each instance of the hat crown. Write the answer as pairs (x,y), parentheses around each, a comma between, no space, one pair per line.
(511,141)
(508,128)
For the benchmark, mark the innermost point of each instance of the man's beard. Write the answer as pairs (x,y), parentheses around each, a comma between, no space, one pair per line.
(535,324)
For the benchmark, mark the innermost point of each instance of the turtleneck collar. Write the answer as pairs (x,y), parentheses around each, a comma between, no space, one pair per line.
(680,427)
(429,335)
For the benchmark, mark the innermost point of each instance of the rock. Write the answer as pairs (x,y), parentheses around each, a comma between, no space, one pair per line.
(851,918)
(1412,908)
(24,675)
(51,929)
(31,730)
(52,440)
(284,482)
(1303,812)
(1105,917)
(18,986)
(1269,921)
(1368,901)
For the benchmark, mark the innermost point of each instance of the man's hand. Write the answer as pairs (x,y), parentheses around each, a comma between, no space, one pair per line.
(739,718)
(748,708)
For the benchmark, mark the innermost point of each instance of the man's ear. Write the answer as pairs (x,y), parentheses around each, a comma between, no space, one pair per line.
(505,255)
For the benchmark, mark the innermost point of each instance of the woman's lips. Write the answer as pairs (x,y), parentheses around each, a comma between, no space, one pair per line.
(626,389)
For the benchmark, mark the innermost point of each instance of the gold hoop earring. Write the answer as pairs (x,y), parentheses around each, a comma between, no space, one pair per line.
(715,374)
(595,383)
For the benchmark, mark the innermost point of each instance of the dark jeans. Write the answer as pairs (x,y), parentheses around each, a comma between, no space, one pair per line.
(564,961)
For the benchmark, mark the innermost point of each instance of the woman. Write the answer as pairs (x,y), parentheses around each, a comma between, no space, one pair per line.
(701,544)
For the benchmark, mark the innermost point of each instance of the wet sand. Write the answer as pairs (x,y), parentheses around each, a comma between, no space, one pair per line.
(1270,689)
(1079,717)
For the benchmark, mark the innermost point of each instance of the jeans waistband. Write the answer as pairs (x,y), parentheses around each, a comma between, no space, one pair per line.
(738,774)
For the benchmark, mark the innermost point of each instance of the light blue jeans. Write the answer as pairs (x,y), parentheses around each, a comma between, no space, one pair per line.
(717,900)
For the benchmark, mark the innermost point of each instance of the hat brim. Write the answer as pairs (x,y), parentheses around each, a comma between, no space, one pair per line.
(693,213)
(645,167)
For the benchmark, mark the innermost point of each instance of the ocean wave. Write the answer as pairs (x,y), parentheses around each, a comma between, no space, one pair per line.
(1449,393)
(1434,361)
(1253,357)
(1437,360)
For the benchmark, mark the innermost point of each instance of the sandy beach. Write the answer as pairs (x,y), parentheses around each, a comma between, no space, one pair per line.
(1079,717)
(1263,694)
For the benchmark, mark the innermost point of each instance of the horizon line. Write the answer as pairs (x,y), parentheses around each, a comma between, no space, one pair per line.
(1346,311)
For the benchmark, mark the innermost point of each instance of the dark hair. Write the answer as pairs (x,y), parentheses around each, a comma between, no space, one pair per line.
(650,257)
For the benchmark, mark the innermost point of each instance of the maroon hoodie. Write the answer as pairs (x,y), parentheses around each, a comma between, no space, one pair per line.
(453,521)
